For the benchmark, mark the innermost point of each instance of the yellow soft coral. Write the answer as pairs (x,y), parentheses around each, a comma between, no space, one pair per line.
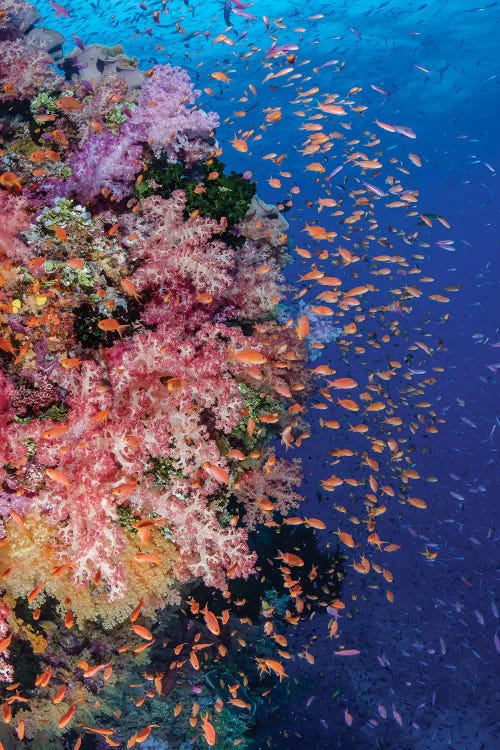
(31,554)
(37,640)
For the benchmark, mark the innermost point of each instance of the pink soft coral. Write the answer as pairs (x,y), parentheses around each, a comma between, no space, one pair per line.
(25,71)
(177,250)
(85,509)
(173,424)
(207,549)
(276,481)
(172,351)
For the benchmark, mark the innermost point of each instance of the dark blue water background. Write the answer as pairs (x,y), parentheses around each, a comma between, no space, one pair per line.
(430,655)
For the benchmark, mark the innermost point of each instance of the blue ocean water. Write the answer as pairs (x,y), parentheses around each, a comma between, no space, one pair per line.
(431,658)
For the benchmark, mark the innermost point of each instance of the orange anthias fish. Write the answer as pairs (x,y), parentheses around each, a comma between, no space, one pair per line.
(100,416)
(6,346)
(347,403)
(416,502)
(204,297)
(147,557)
(319,233)
(38,156)
(315,523)
(346,538)
(10,181)
(71,362)
(5,643)
(211,621)
(342,383)
(143,734)
(92,671)
(125,489)
(66,718)
(249,357)
(332,109)
(142,632)
(69,104)
(136,612)
(303,327)
(219,76)
(129,287)
(58,476)
(290,559)
(239,144)
(111,324)
(59,137)
(208,731)
(55,432)
(69,620)
(216,472)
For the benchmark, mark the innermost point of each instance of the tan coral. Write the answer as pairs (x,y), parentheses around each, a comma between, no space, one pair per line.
(34,553)
(95,60)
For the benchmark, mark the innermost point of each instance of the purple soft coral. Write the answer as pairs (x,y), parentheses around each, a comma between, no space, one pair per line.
(162,120)
(104,161)
(165,120)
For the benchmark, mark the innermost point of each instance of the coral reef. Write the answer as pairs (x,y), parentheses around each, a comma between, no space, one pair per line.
(143,374)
